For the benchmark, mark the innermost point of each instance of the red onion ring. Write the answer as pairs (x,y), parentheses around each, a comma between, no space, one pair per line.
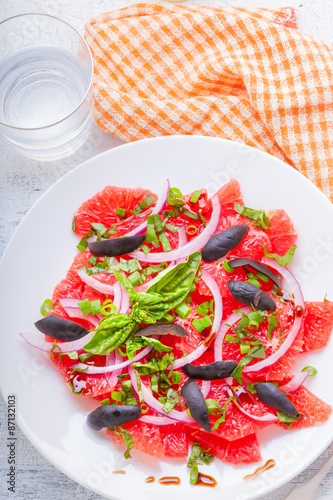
(96,370)
(96,285)
(218,304)
(194,245)
(114,359)
(269,417)
(158,208)
(230,321)
(39,343)
(118,295)
(295,290)
(125,302)
(155,405)
(296,382)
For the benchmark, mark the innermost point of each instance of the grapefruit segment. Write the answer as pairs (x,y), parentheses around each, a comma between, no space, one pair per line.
(318,324)
(282,233)
(240,451)
(314,410)
(102,208)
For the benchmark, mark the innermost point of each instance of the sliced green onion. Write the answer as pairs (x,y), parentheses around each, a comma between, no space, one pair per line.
(95,306)
(145,249)
(244,348)
(168,317)
(313,370)
(262,277)
(154,382)
(151,233)
(194,474)
(203,308)
(230,338)
(135,278)
(195,196)
(105,401)
(191,230)
(165,242)
(171,228)
(203,220)
(176,377)
(111,231)
(121,212)
(85,306)
(183,310)
(189,214)
(84,356)
(107,307)
(46,307)
(93,260)
(202,323)
(226,266)
(253,282)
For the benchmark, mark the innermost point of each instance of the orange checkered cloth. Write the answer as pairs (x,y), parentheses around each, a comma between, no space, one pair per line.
(244,75)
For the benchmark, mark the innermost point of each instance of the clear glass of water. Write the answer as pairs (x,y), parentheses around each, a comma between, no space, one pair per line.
(46,74)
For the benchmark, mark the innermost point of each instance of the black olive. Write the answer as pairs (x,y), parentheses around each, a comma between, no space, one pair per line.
(112,416)
(251,295)
(213,371)
(60,328)
(221,243)
(196,403)
(116,246)
(162,329)
(269,394)
(257,266)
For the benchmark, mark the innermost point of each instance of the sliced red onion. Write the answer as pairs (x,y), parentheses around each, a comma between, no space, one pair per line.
(153,404)
(118,295)
(205,387)
(158,208)
(218,305)
(125,302)
(157,420)
(230,321)
(202,347)
(114,359)
(95,370)
(295,289)
(269,417)
(182,237)
(38,342)
(96,285)
(194,245)
(296,382)
(71,307)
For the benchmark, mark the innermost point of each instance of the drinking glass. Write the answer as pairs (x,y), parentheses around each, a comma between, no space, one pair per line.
(46,74)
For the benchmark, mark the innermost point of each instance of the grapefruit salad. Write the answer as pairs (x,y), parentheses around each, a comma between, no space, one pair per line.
(180,317)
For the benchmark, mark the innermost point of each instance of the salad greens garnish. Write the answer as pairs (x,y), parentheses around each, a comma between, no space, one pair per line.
(286,419)
(198,456)
(121,212)
(149,200)
(195,196)
(134,344)
(259,216)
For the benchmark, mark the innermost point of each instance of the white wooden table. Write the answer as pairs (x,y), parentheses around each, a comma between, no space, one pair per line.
(22,181)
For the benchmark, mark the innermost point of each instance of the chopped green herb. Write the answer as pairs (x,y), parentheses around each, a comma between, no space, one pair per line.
(105,402)
(189,214)
(286,419)
(85,356)
(154,365)
(127,438)
(135,278)
(73,224)
(171,228)
(165,242)
(174,198)
(203,220)
(172,398)
(82,245)
(145,249)
(257,351)
(149,200)
(194,474)
(151,235)
(134,344)
(226,266)
(259,216)
(85,306)
(283,260)
(176,378)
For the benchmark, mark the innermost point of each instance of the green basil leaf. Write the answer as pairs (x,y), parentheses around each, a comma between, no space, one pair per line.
(259,216)
(154,365)
(134,344)
(111,332)
(127,438)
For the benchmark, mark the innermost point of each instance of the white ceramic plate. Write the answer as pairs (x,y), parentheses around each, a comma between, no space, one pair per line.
(42,250)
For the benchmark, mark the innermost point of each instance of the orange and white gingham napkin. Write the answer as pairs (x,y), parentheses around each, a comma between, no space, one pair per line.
(240,74)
